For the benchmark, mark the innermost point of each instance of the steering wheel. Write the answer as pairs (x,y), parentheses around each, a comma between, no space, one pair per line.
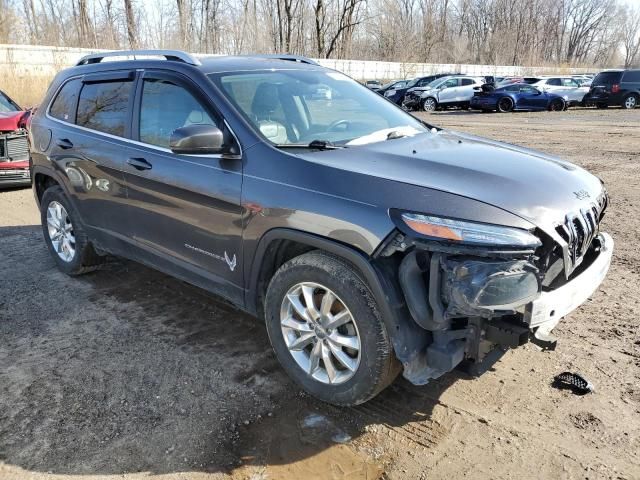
(338,125)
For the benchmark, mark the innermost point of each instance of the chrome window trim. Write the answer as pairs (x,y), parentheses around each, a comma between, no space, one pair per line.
(130,140)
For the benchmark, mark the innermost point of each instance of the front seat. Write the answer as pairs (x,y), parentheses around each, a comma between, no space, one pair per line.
(265,102)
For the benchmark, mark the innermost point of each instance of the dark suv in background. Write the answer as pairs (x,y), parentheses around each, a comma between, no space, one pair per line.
(615,88)
(368,241)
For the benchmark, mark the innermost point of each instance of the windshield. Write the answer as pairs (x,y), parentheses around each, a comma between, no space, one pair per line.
(297,107)
(436,82)
(7,105)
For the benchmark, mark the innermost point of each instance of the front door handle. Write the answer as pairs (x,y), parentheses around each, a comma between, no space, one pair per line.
(64,143)
(139,163)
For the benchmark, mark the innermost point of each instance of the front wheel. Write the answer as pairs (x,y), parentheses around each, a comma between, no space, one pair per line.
(326,330)
(630,102)
(429,104)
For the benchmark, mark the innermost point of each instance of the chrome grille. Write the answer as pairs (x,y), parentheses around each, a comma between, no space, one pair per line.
(579,230)
(14,147)
(18,147)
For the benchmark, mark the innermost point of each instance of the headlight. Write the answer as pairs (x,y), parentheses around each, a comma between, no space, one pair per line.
(469,232)
(389,93)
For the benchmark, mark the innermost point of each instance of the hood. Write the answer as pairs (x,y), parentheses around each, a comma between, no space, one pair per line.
(536,187)
(10,121)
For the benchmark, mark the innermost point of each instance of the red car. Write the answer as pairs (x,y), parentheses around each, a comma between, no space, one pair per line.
(14,146)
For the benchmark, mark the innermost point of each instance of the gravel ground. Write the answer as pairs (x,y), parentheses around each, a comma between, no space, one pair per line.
(126,373)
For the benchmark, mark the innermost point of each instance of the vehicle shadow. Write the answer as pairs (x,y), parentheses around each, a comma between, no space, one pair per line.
(127,370)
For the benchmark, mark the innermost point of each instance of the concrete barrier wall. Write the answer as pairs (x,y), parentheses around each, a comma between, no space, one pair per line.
(27,60)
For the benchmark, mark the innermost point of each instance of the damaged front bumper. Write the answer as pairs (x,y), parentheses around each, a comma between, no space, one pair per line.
(544,313)
(473,303)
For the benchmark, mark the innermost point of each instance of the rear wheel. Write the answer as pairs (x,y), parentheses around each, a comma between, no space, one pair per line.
(630,102)
(326,330)
(505,104)
(64,235)
(429,104)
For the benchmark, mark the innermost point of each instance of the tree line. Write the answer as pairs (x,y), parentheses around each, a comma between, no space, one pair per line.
(503,32)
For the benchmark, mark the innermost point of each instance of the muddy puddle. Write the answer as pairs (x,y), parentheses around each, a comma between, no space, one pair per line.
(301,444)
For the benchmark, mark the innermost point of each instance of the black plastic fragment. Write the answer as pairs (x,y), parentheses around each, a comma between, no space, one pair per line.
(573,381)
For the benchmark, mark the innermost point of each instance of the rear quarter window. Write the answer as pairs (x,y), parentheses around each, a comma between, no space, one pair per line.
(607,78)
(63,106)
(103,106)
(631,76)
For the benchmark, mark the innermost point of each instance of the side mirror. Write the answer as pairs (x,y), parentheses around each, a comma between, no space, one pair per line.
(197,139)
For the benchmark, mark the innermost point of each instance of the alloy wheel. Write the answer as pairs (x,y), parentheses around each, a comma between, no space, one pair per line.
(630,102)
(505,105)
(60,230)
(320,333)
(429,105)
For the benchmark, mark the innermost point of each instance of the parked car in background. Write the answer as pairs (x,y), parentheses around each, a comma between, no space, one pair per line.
(519,96)
(584,79)
(567,87)
(615,87)
(389,89)
(398,96)
(455,91)
(14,146)
(373,84)
(515,79)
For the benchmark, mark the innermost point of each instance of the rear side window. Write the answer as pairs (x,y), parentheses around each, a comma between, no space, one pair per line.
(103,106)
(160,97)
(64,105)
(554,82)
(569,82)
(453,82)
(631,76)
(606,78)
(467,81)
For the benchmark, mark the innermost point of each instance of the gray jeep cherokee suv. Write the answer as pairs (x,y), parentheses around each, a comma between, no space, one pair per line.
(370,242)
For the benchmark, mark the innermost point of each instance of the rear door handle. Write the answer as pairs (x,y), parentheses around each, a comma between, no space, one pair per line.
(139,163)
(64,143)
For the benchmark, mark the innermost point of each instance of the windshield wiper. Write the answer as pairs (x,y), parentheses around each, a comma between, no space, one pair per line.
(314,145)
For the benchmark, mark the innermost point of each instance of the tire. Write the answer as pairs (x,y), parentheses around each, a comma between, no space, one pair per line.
(557,105)
(505,104)
(429,104)
(373,363)
(601,105)
(630,102)
(83,258)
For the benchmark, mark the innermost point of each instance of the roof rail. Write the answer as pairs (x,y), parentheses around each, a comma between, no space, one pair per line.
(173,55)
(288,57)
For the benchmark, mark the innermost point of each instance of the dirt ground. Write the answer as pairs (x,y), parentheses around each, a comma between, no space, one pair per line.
(127,373)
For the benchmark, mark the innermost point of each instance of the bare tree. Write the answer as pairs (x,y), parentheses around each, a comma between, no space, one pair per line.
(630,35)
(528,32)
(132,31)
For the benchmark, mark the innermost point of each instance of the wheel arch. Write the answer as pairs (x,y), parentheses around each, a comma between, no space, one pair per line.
(405,334)
(44,178)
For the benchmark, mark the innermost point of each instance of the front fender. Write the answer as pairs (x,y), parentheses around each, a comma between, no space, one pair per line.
(407,338)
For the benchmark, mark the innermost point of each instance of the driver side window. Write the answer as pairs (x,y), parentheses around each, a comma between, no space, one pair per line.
(159,97)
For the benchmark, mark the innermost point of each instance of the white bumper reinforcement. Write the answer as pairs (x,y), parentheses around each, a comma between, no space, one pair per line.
(546,311)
